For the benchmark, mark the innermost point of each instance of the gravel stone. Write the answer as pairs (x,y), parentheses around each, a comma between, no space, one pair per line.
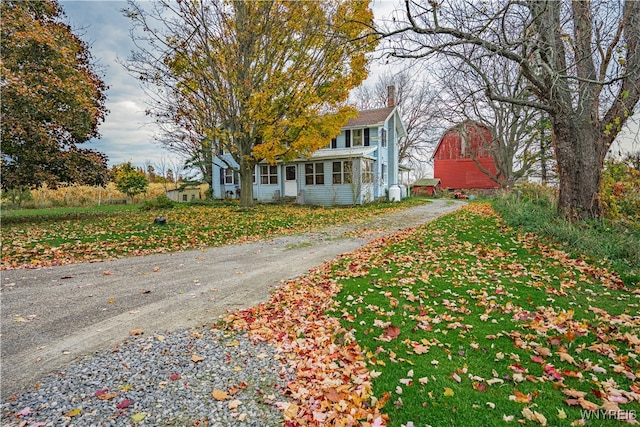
(158,378)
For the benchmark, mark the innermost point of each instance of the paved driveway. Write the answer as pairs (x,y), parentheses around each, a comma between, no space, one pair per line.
(51,316)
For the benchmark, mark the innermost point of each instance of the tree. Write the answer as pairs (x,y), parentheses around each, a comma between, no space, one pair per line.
(419,108)
(581,61)
(130,180)
(261,81)
(516,129)
(52,98)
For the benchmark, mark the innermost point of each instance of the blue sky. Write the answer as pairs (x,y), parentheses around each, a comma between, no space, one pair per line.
(126,133)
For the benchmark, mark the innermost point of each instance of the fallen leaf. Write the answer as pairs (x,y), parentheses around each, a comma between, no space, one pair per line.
(392,332)
(124,404)
(233,404)
(73,412)
(138,416)
(220,394)
(134,332)
(448,392)
(195,358)
(534,416)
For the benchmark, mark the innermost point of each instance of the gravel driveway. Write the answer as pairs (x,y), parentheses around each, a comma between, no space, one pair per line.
(51,316)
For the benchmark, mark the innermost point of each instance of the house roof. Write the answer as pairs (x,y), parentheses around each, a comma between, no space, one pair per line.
(427,182)
(370,117)
(339,153)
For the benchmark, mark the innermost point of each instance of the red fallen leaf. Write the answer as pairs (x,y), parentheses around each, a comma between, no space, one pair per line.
(537,359)
(100,392)
(174,377)
(124,404)
(556,340)
(481,387)
(597,393)
(518,368)
(392,331)
(333,395)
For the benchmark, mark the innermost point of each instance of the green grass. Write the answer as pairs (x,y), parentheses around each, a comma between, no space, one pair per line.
(616,245)
(60,236)
(474,303)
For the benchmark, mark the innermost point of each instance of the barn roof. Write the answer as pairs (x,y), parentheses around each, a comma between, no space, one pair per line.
(427,182)
(456,128)
(370,117)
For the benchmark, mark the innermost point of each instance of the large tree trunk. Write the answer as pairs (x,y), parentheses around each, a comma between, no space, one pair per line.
(580,161)
(246,184)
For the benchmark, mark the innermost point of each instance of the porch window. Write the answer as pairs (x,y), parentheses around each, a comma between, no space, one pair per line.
(334,142)
(314,173)
(343,172)
(357,137)
(384,173)
(268,174)
(367,171)
(366,137)
(347,138)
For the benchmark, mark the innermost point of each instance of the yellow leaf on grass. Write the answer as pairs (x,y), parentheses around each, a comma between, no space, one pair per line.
(220,394)
(448,392)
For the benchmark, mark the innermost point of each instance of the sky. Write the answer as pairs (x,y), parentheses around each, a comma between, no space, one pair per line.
(127,134)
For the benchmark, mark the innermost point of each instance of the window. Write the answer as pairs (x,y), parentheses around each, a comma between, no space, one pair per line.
(290,173)
(314,173)
(229,176)
(343,172)
(384,173)
(383,136)
(366,137)
(334,142)
(367,171)
(357,137)
(347,138)
(184,197)
(268,174)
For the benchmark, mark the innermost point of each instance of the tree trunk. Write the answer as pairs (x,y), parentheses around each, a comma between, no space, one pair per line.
(246,184)
(579,160)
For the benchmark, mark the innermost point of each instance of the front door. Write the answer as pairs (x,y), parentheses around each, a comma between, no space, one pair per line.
(290,182)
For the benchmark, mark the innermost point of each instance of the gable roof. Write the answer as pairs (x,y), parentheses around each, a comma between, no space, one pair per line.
(370,117)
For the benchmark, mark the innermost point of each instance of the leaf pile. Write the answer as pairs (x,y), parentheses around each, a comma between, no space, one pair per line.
(332,384)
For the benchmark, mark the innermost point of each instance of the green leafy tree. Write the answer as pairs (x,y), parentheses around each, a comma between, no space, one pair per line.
(259,80)
(51,97)
(130,180)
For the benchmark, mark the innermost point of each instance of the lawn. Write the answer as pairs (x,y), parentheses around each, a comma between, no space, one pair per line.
(457,323)
(46,237)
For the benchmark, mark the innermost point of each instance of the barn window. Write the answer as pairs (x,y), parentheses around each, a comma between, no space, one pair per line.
(314,173)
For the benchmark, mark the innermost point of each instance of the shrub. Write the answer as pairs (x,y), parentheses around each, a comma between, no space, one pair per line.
(620,192)
(160,202)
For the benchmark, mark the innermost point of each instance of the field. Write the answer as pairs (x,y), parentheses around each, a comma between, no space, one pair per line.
(34,238)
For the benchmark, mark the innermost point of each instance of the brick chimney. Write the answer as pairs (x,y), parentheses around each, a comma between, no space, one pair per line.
(391,96)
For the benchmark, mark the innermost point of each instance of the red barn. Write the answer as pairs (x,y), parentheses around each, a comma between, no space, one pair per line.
(454,162)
